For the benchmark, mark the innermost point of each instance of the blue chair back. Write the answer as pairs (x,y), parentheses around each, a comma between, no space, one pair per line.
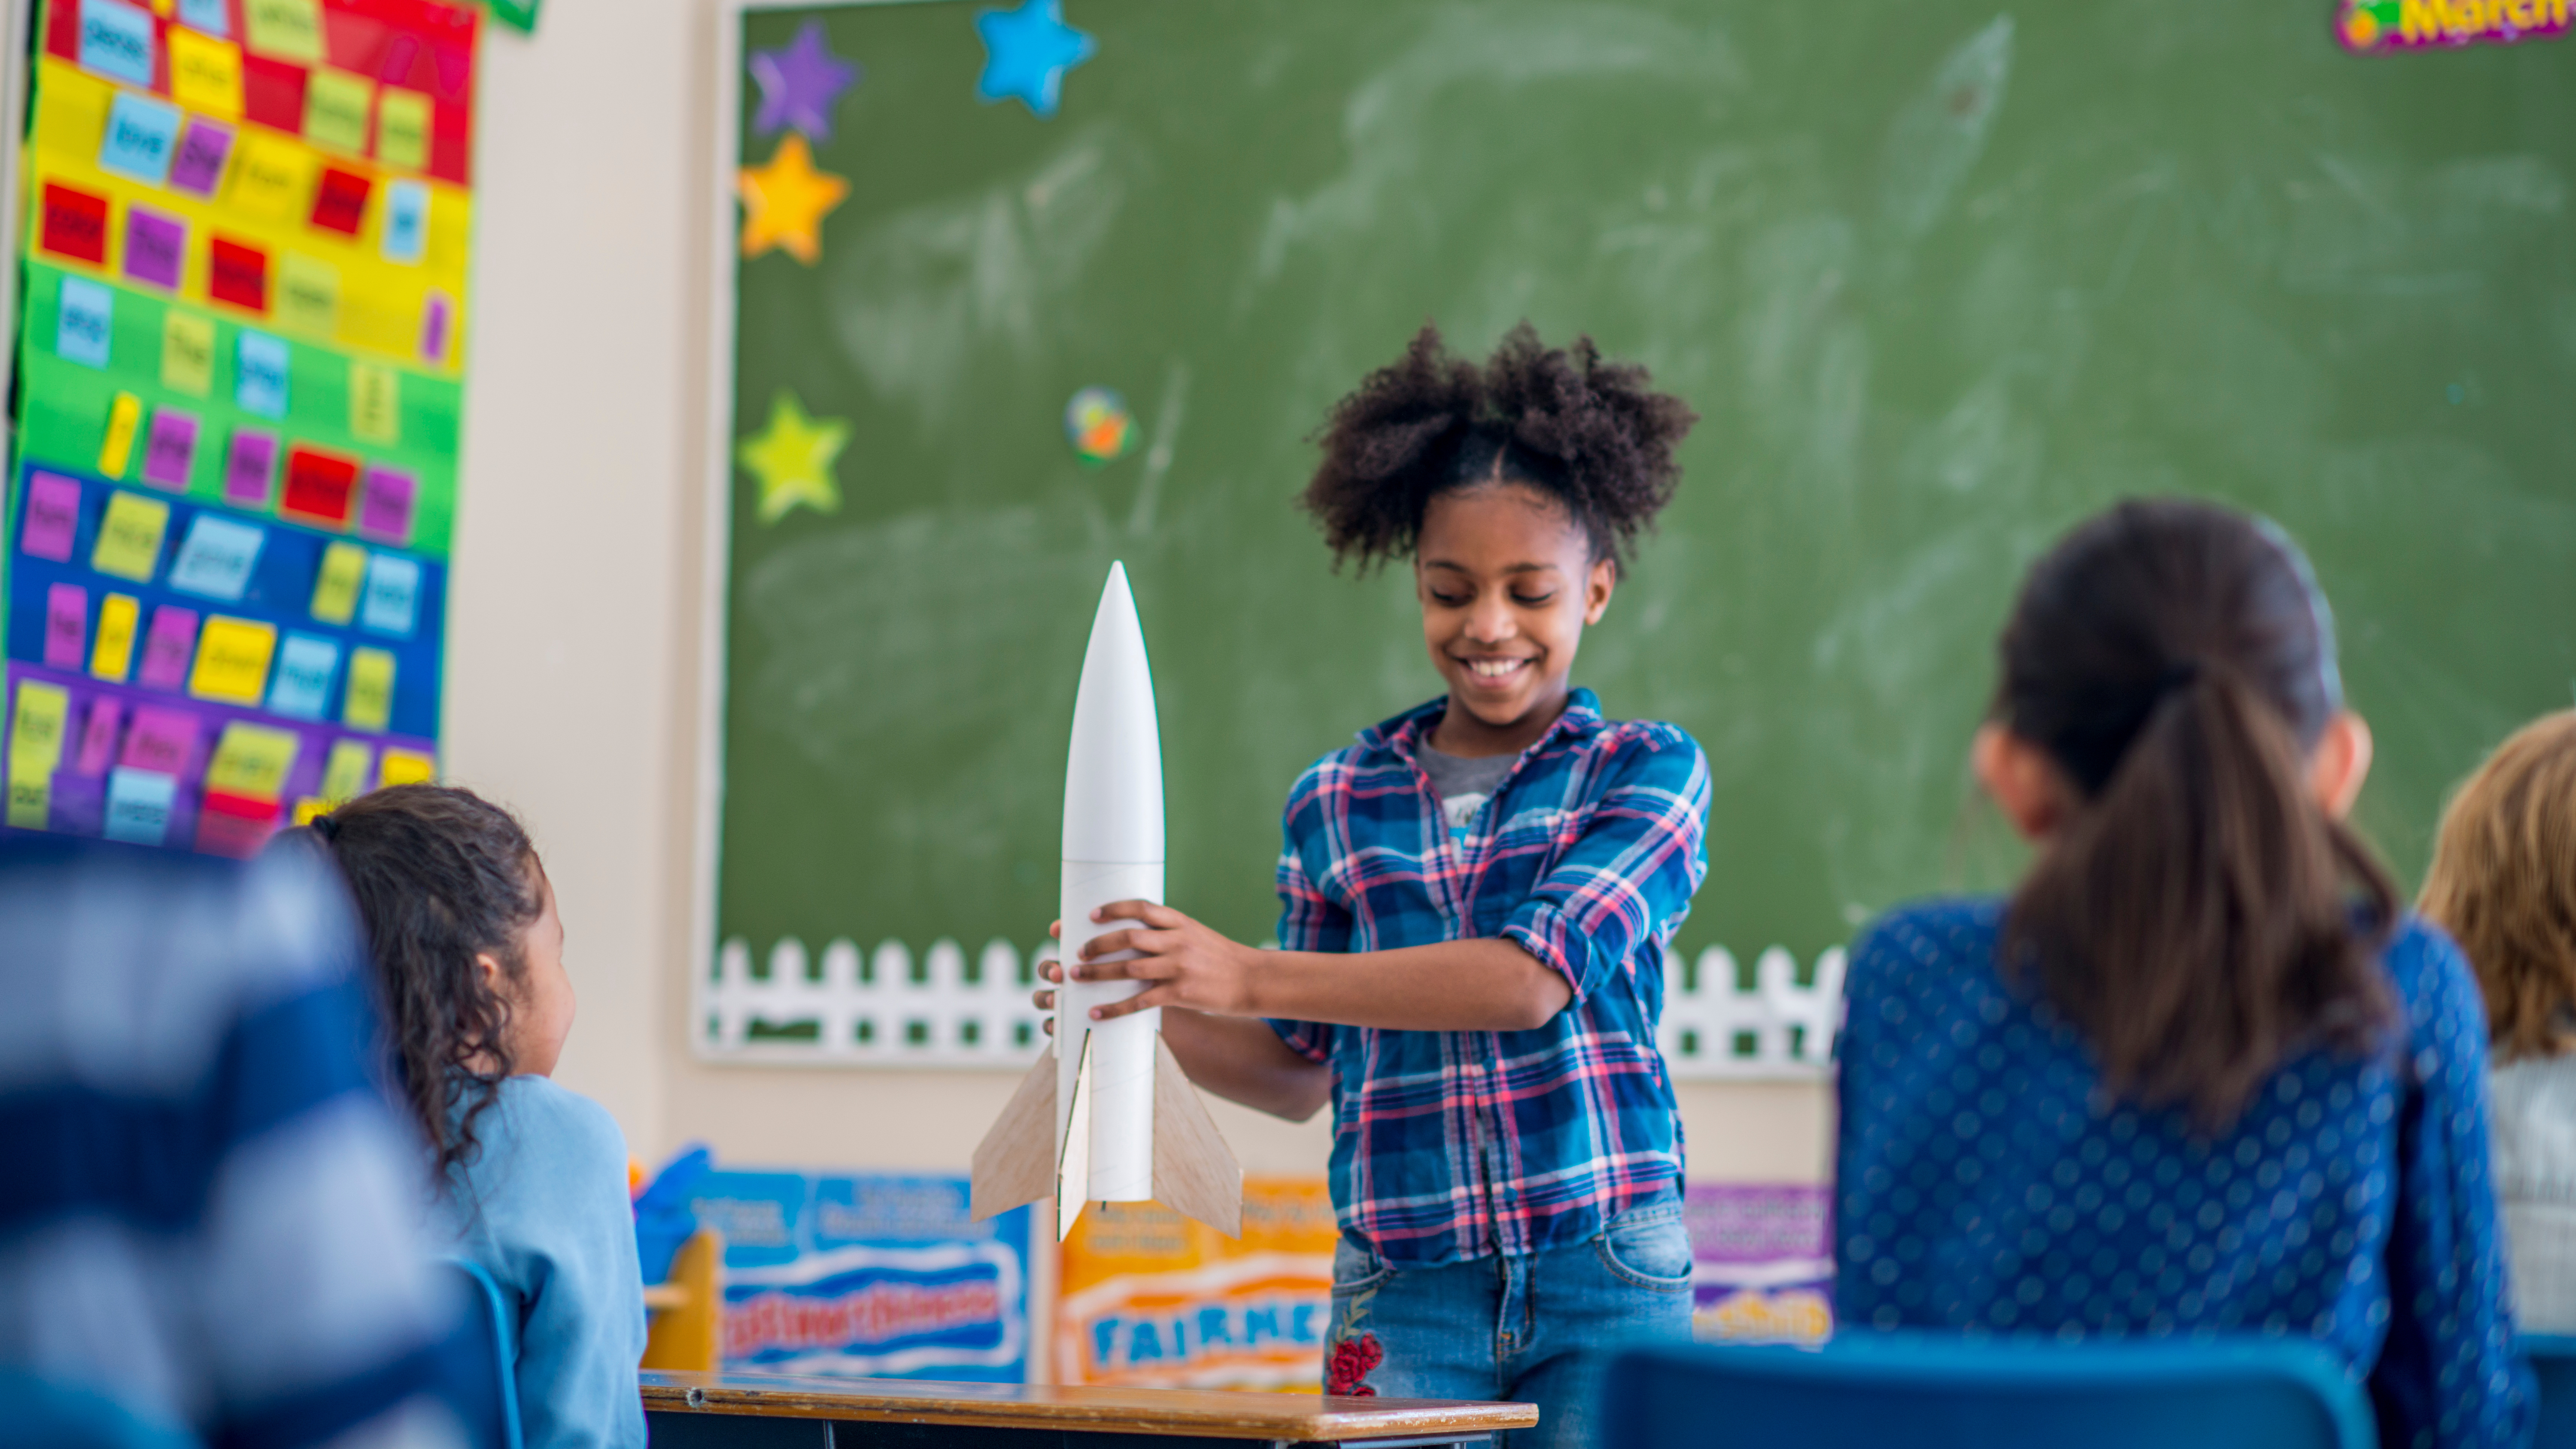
(491,1380)
(2553,1364)
(1939,1391)
(43,1411)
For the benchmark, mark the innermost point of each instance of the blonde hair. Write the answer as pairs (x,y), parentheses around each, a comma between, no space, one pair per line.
(2503,883)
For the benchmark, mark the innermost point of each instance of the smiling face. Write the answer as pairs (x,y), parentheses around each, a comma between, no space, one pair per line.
(1507,582)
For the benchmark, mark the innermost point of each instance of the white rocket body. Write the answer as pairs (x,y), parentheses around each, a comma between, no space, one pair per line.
(1126,1125)
(1113,851)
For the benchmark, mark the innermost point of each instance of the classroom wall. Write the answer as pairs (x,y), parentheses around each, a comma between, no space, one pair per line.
(578,590)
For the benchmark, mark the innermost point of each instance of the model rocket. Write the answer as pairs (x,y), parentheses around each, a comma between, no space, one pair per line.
(1107,1116)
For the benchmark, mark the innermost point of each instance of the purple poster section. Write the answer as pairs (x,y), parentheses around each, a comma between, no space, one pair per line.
(1762,1261)
(79,796)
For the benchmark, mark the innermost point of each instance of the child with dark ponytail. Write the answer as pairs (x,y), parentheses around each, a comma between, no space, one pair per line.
(1477,897)
(527,1179)
(2199,1074)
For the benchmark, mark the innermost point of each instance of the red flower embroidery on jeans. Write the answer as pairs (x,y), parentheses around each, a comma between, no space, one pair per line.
(1347,1371)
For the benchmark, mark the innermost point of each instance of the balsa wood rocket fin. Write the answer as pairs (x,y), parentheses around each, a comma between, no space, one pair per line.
(1073,1170)
(1015,1163)
(1195,1173)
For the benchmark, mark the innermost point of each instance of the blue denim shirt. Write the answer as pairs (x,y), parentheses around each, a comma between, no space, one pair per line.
(1987,1182)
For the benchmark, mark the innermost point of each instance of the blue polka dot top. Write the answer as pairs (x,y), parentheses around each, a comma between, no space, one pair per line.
(1988,1183)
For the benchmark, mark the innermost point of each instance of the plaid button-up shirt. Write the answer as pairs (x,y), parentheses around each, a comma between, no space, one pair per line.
(1463,1144)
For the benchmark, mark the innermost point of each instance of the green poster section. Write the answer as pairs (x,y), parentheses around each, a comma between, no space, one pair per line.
(1941,279)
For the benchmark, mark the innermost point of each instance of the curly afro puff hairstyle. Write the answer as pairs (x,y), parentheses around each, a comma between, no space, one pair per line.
(1592,435)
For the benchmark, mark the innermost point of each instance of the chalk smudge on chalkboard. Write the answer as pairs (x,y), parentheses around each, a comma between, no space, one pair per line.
(1386,123)
(948,627)
(1941,132)
(917,295)
(2378,229)
(1806,353)
(1168,412)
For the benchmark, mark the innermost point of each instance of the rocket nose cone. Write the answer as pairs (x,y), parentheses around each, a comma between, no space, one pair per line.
(1113,777)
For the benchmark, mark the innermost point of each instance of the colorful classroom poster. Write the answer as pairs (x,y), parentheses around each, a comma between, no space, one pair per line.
(868,1276)
(240,388)
(1762,1263)
(1147,1298)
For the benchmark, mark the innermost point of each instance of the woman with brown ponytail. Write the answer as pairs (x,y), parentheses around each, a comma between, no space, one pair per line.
(2199,1074)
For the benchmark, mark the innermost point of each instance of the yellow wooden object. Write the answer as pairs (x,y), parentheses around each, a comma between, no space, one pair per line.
(688,1317)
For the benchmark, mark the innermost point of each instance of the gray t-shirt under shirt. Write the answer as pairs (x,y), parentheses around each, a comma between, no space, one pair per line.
(1463,783)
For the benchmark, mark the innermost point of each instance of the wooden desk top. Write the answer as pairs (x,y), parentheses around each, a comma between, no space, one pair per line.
(1204,1413)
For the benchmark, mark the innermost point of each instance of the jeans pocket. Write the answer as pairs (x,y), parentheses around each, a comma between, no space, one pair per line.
(1653,1252)
(1356,1269)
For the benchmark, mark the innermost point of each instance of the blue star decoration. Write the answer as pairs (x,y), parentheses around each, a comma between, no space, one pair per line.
(1027,51)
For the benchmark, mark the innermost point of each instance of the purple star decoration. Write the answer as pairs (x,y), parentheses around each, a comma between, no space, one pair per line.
(800,85)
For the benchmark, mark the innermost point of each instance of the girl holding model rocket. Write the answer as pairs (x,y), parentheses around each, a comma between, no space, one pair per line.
(1477,897)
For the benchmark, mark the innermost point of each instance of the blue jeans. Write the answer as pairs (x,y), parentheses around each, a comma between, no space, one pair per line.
(1531,1329)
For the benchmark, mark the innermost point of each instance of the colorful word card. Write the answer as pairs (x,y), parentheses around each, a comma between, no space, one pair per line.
(250,469)
(260,375)
(171,451)
(36,726)
(386,514)
(305,666)
(116,41)
(336,584)
(52,518)
(98,737)
(156,246)
(203,149)
(187,353)
(142,134)
(232,660)
(129,537)
(344,775)
(124,420)
(112,656)
(205,73)
(252,760)
(369,705)
(139,804)
(402,767)
(217,559)
(162,740)
(169,647)
(392,601)
(84,323)
(66,625)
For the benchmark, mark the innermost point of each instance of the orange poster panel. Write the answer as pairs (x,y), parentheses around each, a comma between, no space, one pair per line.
(1150,1299)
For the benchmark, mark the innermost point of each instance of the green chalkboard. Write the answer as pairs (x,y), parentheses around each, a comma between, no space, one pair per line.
(1941,279)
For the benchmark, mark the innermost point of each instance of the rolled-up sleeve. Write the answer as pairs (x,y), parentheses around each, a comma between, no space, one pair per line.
(1309,920)
(1629,878)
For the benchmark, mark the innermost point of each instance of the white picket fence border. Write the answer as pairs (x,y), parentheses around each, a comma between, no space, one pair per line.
(887,1009)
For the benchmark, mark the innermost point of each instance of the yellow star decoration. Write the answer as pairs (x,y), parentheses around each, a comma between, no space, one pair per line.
(784,202)
(793,457)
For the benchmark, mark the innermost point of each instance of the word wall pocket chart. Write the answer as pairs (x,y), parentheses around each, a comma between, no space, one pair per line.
(247,252)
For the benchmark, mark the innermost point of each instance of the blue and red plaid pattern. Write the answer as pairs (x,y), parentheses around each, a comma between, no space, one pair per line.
(1464,1144)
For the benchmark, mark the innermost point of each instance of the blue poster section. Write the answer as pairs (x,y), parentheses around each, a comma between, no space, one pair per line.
(399,603)
(875,1276)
